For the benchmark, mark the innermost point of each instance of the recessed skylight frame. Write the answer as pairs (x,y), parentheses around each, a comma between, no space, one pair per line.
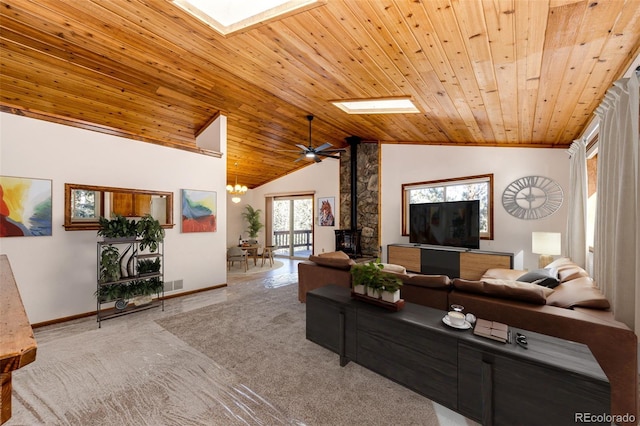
(397,105)
(231,16)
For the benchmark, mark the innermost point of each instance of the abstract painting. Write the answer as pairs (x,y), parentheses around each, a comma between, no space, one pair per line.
(325,209)
(25,207)
(199,211)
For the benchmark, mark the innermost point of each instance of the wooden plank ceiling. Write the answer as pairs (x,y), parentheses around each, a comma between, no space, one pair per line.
(498,73)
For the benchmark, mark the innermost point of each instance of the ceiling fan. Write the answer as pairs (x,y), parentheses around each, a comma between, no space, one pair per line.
(316,153)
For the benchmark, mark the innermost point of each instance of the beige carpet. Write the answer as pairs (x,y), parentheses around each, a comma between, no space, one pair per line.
(234,356)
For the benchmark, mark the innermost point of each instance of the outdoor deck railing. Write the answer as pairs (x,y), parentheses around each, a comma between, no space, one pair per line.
(300,239)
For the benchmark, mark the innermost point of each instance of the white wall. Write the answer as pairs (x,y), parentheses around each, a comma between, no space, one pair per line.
(56,275)
(321,178)
(417,163)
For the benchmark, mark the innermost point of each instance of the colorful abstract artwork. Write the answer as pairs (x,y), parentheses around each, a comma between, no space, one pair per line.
(25,207)
(199,211)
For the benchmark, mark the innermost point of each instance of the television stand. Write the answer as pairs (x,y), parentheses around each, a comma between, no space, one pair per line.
(450,261)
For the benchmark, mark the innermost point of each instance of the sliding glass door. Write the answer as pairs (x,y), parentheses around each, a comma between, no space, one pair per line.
(292,226)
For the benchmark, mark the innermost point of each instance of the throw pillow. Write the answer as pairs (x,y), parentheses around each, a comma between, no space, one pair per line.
(335,255)
(390,267)
(333,262)
(544,277)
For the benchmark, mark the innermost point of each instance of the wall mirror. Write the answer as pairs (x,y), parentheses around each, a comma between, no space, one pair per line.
(84,204)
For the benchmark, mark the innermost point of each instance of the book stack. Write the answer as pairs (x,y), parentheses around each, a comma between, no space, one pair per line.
(492,330)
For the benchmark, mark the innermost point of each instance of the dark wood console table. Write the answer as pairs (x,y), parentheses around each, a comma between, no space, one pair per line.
(494,383)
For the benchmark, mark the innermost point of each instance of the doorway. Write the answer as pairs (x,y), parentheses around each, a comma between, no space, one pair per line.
(292,226)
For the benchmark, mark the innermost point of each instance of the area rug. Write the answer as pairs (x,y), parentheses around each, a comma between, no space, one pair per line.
(238,269)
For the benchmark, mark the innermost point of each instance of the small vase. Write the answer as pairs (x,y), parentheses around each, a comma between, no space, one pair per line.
(391,296)
(360,289)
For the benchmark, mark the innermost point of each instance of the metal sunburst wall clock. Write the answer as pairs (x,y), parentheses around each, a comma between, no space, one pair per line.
(532,197)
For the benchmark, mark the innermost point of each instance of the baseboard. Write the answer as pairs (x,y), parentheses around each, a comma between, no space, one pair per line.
(88,314)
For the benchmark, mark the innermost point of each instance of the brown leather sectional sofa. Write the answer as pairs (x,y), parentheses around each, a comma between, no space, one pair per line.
(574,310)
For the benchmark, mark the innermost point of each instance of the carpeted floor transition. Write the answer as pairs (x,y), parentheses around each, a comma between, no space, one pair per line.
(238,357)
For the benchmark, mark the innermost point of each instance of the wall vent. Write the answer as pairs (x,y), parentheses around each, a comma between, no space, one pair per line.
(168,285)
(177,284)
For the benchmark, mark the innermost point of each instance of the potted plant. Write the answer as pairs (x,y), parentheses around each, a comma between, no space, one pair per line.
(391,288)
(118,228)
(373,279)
(148,266)
(109,264)
(252,216)
(150,232)
(142,291)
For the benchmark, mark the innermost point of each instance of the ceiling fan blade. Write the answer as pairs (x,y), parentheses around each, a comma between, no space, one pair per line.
(334,150)
(327,155)
(299,158)
(323,146)
(302,147)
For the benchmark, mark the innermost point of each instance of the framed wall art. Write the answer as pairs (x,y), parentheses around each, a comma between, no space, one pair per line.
(326,206)
(199,211)
(25,207)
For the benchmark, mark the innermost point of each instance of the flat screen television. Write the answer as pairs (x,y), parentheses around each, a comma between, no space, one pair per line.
(453,224)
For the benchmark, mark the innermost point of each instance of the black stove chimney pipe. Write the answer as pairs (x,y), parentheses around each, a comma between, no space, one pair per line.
(354,141)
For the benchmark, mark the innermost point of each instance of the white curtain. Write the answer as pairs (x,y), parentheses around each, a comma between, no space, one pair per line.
(617,233)
(576,247)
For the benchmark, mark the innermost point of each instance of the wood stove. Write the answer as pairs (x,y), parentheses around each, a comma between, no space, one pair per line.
(348,241)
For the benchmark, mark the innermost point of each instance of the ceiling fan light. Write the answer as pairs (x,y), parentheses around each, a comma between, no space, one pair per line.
(310,155)
(235,199)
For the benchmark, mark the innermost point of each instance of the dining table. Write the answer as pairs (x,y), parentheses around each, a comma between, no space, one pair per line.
(252,250)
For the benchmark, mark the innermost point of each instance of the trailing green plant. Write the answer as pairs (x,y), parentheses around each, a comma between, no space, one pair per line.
(371,275)
(118,227)
(150,232)
(252,216)
(108,293)
(109,264)
(148,266)
(145,287)
(127,290)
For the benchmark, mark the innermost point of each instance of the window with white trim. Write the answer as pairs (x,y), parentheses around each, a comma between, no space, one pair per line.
(456,189)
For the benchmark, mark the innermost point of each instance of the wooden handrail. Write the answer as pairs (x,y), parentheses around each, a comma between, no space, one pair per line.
(17,343)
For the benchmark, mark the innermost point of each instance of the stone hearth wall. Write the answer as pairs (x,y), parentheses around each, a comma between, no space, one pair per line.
(368,196)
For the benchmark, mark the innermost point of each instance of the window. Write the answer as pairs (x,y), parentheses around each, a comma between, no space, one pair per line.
(86,205)
(456,189)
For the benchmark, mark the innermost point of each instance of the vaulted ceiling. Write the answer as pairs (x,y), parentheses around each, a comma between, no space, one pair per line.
(495,73)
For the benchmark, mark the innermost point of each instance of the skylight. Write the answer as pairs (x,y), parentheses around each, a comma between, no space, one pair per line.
(378,106)
(229,16)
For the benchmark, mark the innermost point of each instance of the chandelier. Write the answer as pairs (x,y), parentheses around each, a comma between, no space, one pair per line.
(236,190)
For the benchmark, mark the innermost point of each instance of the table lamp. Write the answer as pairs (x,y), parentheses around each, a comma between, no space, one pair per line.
(546,244)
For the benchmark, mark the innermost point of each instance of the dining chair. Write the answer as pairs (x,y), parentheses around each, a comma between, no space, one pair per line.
(237,254)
